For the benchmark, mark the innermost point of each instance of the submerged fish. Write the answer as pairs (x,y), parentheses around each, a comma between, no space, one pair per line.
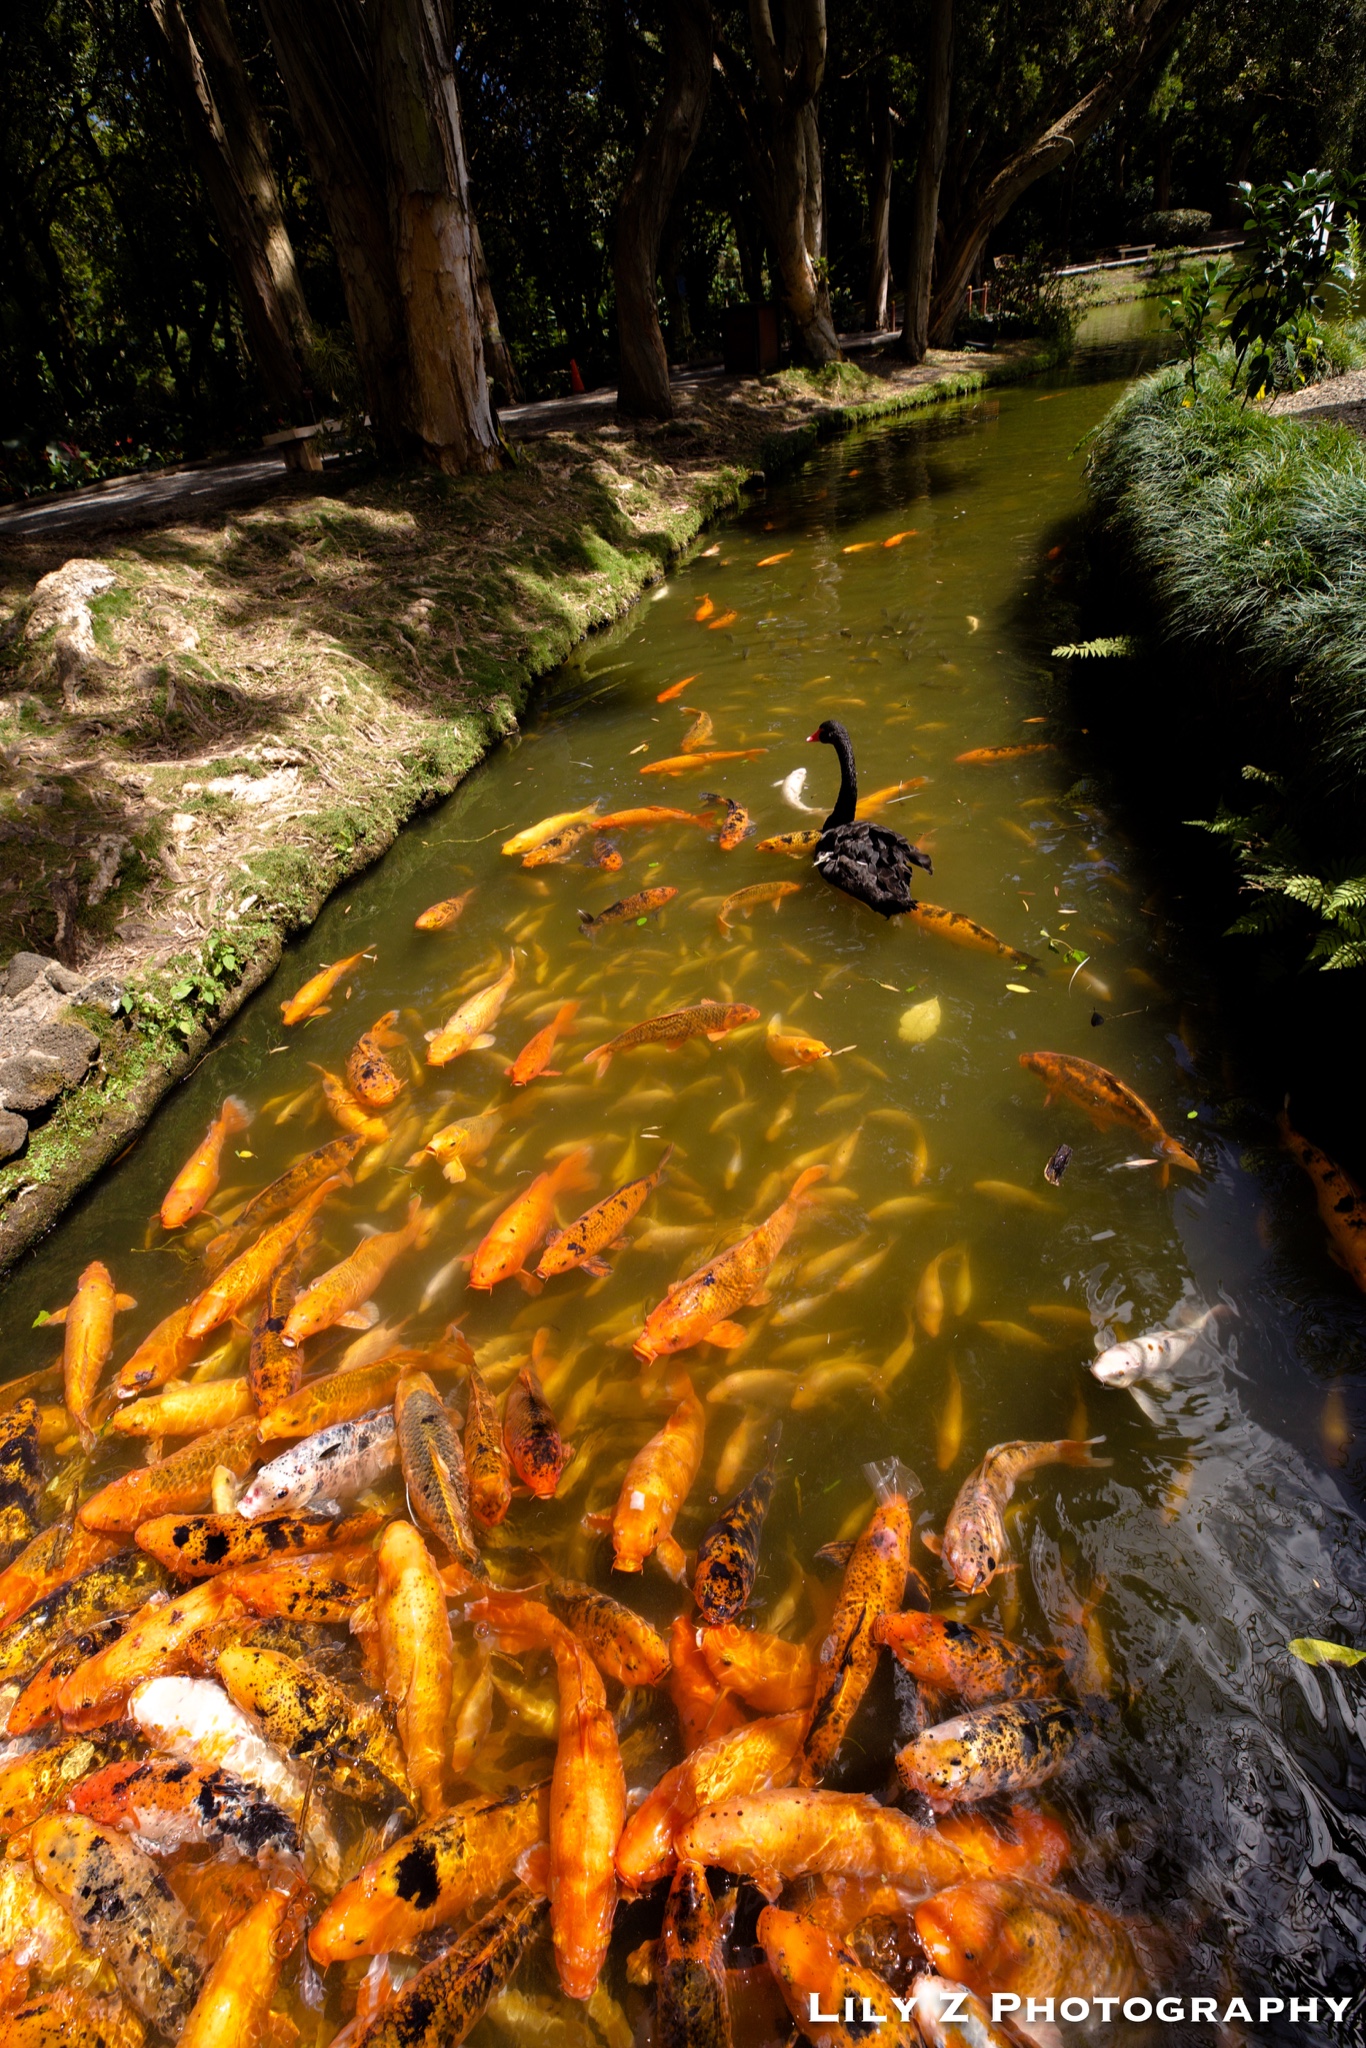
(791,787)
(279,1198)
(816,1973)
(348,1744)
(982,756)
(792,842)
(791,1048)
(439,2006)
(1341,1203)
(974,1544)
(470,1024)
(124,1909)
(700,1307)
(965,931)
(467,1139)
(560,846)
(628,910)
(532,1061)
(1106,1100)
(440,916)
(647,815)
(113,1585)
(197,1180)
(351,1114)
(532,1436)
(1012,1935)
(978,1665)
(657,1482)
(486,1460)
(621,1643)
(692,2002)
(582,1242)
(536,835)
(728,1555)
(700,733)
(742,901)
(274,1368)
(168,1804)
(338,1293)
(1011,1746)
(515,1232)
(433,1464)
(308,1001)
(333,1465)
(1151,1356)
(415,1658)
(369,1075)
(673,1028)
(738,824)
(680,764)
(21,1478)
(89,1339)
(247,1274)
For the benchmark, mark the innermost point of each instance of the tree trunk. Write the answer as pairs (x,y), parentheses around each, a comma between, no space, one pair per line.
(430,224)
(1155,22)
(497,355)
(231,149)
(643,377)
(878,312)
(929,172)
(320,53)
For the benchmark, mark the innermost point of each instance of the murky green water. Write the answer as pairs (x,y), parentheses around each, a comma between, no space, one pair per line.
(1225,1795)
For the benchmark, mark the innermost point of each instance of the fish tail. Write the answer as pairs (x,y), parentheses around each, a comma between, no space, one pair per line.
(1075,1451)
(888,1477)
(566,1014)
(806,1180)
(573,1171)
(236,1116)
(588,924)
(662,1163)
(600,1059)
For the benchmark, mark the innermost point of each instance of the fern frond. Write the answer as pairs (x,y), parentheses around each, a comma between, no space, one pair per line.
(1351,955)
(1088,650)
(1348,895)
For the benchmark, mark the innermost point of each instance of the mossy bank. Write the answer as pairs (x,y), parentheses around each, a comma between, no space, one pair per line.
(209,727)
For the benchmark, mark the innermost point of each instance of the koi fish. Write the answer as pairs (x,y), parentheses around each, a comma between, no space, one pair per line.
(37,1704)
(599,1229)
(692,2002)
(876,799)
(1106,1100)
(781,1834)
(328,1587)
(530,1062)
(965,931)
(369,1075)
(559,846)
(627,910)
(682,764)
(704,610)
(728,1555)
(247,1274)
(1341,1203)
(894,540)
(344,1109)
(704,1710)
(768,1673)
(168,1804)
(333,1465)
(21,1477)
(1151,1356)
(282,1195)
(441,2004)
(974,1544)
(699,1307)
(621,1643)
(180,1484)
(234,2005)
(89,1339)
(439,917)
(336,1295)
(980,757)
(874,1584)
(197,1546)
(431,1877)
(1001,1935)
(122,1908)
(514,1233)
(654,814)
(750,898)
(674,690)
(112,1585)
(726,619)
(1010,1746)
(310,999)
(415,1649)
(357,1389)
(274,1368)
(979,1665)
(486,1458)
(536,835)
(348,1744)
(472,1023)
(467,1140)
(434,1466)
(197,1181)
(768,561)
(58,1553)
(186,1410)
(744,1759)
(657,1482)
(791,842)
(813,1968)
(532,1437)
(791,1048)
(674,1028)
(738,824)
(699,734)
(95,1692)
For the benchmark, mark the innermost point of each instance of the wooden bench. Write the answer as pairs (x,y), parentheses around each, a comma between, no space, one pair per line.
(1130,251)
(296,446)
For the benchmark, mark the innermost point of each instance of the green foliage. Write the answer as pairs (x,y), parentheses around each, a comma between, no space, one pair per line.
(1192,315)
(1119,645)
(1029,298)
(1174,227)
(185,995)
(1297,239)
(1324,912)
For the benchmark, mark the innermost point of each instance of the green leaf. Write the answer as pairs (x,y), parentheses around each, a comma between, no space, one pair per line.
(181,990)
(41,1318)
(1313,1650)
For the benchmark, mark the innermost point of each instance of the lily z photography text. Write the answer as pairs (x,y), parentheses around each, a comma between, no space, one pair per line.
(955,2010)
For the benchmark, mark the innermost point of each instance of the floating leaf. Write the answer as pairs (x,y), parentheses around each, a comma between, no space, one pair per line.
(42,1317)
(920,1022)
(1313,1650)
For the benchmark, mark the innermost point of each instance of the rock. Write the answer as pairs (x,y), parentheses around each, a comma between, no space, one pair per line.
(30,1082)
(71,1046)
(13,1134)
(25,969)
(63,979)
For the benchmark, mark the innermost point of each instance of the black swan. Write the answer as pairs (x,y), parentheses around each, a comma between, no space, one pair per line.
(863,859)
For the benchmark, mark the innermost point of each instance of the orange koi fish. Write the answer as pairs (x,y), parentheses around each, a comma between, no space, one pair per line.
(186,1410)
(163,1355)
(816,1973)
(692,1996)
(273,1370)
(974,1546)
(97,1690)
(674,690)
(1106,1100)
(965,931)
(793,1048)
(327,1587)
(233,2007)
(179,1485)
(768,1673)
(698,1309)
(726,619)
(980,757)
(1341,1203)
(472,1023)
(620,1642)
(657,1482)
(704,611)
(738,823)
(1012,1935)
(359,1389)
(869,806)
(344,1109)
(751,1757)
(89,1339)
(536,835)
(197,1181)
(767,561)
(700,734)
(654,814)
(587,1792)
(560,846)
(532,1438)
(683,764)
(1011,1746)
(874,1584)
(244,1278)
(979,1665)
(894,540)
(486,1458)
(674,1028)
(369,1075)
(629,910)
(467,1139)
(336,1295)
(282,1195)
(310,999)
(530,1062)
(742,901)
(54,1556)
(415,1646)
(703,1709)
(513,1235)
(441,916)
(599,1229)
(197,1546)
(792,842)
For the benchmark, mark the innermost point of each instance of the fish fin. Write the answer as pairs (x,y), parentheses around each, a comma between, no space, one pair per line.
(767,1881)
(673,1558)
(482,1042)
(528,1282)
(726,1336)
(1074,1452)
(1149,1407)
(430,1035)
(56,1315)
(323,1010)
(235,1113)
(889,1477)
(599,1521)
(363,1318)
(454,1171)
(533,1867)
(934,1544)
(837,1553)
(125,1301)
(806,1180)
(599,1268)
(761,1299)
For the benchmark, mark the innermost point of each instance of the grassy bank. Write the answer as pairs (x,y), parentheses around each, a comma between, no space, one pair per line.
(210,726)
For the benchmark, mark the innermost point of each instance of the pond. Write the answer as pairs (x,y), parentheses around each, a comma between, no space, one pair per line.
(939,1295)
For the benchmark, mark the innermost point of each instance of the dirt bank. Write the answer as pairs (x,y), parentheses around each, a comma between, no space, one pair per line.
(207,727)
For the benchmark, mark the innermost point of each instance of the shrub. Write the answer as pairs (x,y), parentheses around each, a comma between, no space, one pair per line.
(1175,226)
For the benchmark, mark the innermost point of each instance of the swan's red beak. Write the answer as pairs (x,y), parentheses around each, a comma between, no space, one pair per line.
(812,736)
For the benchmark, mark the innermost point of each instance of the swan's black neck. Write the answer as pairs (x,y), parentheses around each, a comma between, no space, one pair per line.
(846,803)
